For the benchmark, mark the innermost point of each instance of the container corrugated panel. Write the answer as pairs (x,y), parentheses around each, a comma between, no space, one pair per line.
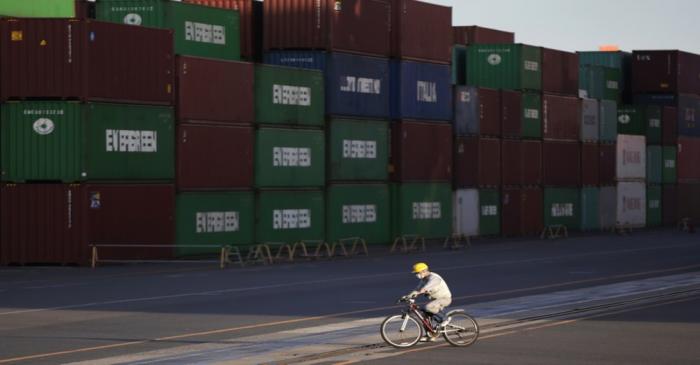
(248,24)
(477,111)
(201,31)
(477,162)
(519,209)
(562,117)
(465,215)
(410,140)
(632,120)
(420,91)
(688,157)
(358,150)
(467,35)
(561,163)
(631,204)
(357,26)
(489,212)
(590,164)
(214,157)
(559,72)
(631,157)
(689,201)
(421,209)
(358,211)
(653,114)
(355,85)
(617,60)
(654,206)
(608,121)
(511,113)
(562,206)
(290,216)
(669,205)
(285,95)
(42,224)
(213,218)
(671,72)
(598,82)
(590,209)
(214,91)
(656,99)
(612,89)
(590,120)
(532,115)
(655,163)
(459,65)
(669,126)
(101,62)
(607,163)
(689,115)
(512,67)
(420,31)
(521,162)
(42,8)
(608,206)
(670,170)
(289,158)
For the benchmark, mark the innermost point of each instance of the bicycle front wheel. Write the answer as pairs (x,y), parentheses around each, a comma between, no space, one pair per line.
(401,331)
(461,330)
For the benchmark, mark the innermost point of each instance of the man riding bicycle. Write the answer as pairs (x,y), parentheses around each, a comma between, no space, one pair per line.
(435,288)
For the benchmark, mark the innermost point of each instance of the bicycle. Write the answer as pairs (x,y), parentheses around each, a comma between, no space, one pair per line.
(458,328)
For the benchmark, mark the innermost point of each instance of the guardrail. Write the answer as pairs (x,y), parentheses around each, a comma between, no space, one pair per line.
(224,255)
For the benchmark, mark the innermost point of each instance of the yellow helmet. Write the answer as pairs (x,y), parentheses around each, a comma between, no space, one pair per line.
(419,267)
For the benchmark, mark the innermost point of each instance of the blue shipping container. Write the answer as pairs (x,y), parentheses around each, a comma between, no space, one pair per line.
(420,91)
(655,99)
(688,110)
(466,110)
(355,85)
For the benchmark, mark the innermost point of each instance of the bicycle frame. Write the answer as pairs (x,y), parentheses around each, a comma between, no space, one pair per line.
(414,309)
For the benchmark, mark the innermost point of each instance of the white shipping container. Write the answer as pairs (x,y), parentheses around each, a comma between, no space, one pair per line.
(608,207)
(631,204)
(590,120)
(631,158)
(465,217)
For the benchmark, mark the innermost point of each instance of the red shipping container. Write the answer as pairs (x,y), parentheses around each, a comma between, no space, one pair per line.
(477,162)
(689,202)
(354,26)
(672,72)
(421,31)
(669,205)
(467,35)
(521,162)
(214,157)
(607,163)
(85,60)
(688,159)
(561,163)
(421,151)
(669,125)
(559,72)
(590,164)
(521,210)
(42,223)
(562,117)
(248,24)
(214,91)
(511,113)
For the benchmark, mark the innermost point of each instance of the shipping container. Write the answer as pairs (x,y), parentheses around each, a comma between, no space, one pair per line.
(489,212)
(631,204)
(656,99)
(85,60)
(358,150)
(520,211)
(459,65)
(689,202)
(632,120)
(618,60)
(477,162)
(607,163)
(673,72)
(512,67)
(358,211)
(420,91)
(688,159)
(590,164)
(467,35)
(689,115)
(653,119)
(608,121)
(42,224)
(289,158)
(521,114)
(521,162)
(608,207)
(477,111)
(420,31)
(590,208)
(655,163)
(201,31)
(654,208)
(285,95)
(669,205)
(562,117)
(356,26)
(421,209)
(561,163)
(559,72)
(355,85)
(562,206)
(669,126)
(678,114)
(213,219)
(250,15)
(289,216)
(465,214)
(590,120)
(214,91)
(598,82)
(44,8)
(670,171)
(214,157)
(408,158)
(631,158)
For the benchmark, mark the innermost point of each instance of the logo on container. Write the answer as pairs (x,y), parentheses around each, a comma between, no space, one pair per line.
(465,96)
(122,140)
(291,157)
(43,126)
(354,149)
(489,210)
(689,114)
(427,210)
(291,95)
(205,33)
(133,19)
(631,157)
(563,210)
(655,123)
(624,119)
(654,204)
(291,219)
(217,222)
(361,85)
(613,85)
(670,164)
(95,200)
(353,214)
(426,91)
(532,114)
(531,66)
(494,59)
(631,203)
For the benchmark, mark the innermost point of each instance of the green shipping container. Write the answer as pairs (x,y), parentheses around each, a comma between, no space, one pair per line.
(505,66)
(669,166)
(459,65)
(289,216)
(608,121)
(532,115)
(612,89)
(590,209)
(562,207)
(358,211)
(38,8)
(631,120)
(358,150)
(285,95)
(421,209)
(591,79)
(289,158)
(653,120)
(654,208)
(213,218)
(489,212)
(199,30)
(655,163)
(603,58)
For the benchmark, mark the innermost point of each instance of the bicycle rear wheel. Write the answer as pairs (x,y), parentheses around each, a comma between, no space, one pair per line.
(401,331)
(461,330)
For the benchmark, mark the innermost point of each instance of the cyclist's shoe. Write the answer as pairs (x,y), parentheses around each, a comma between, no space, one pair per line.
(444,323)
(428,339)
